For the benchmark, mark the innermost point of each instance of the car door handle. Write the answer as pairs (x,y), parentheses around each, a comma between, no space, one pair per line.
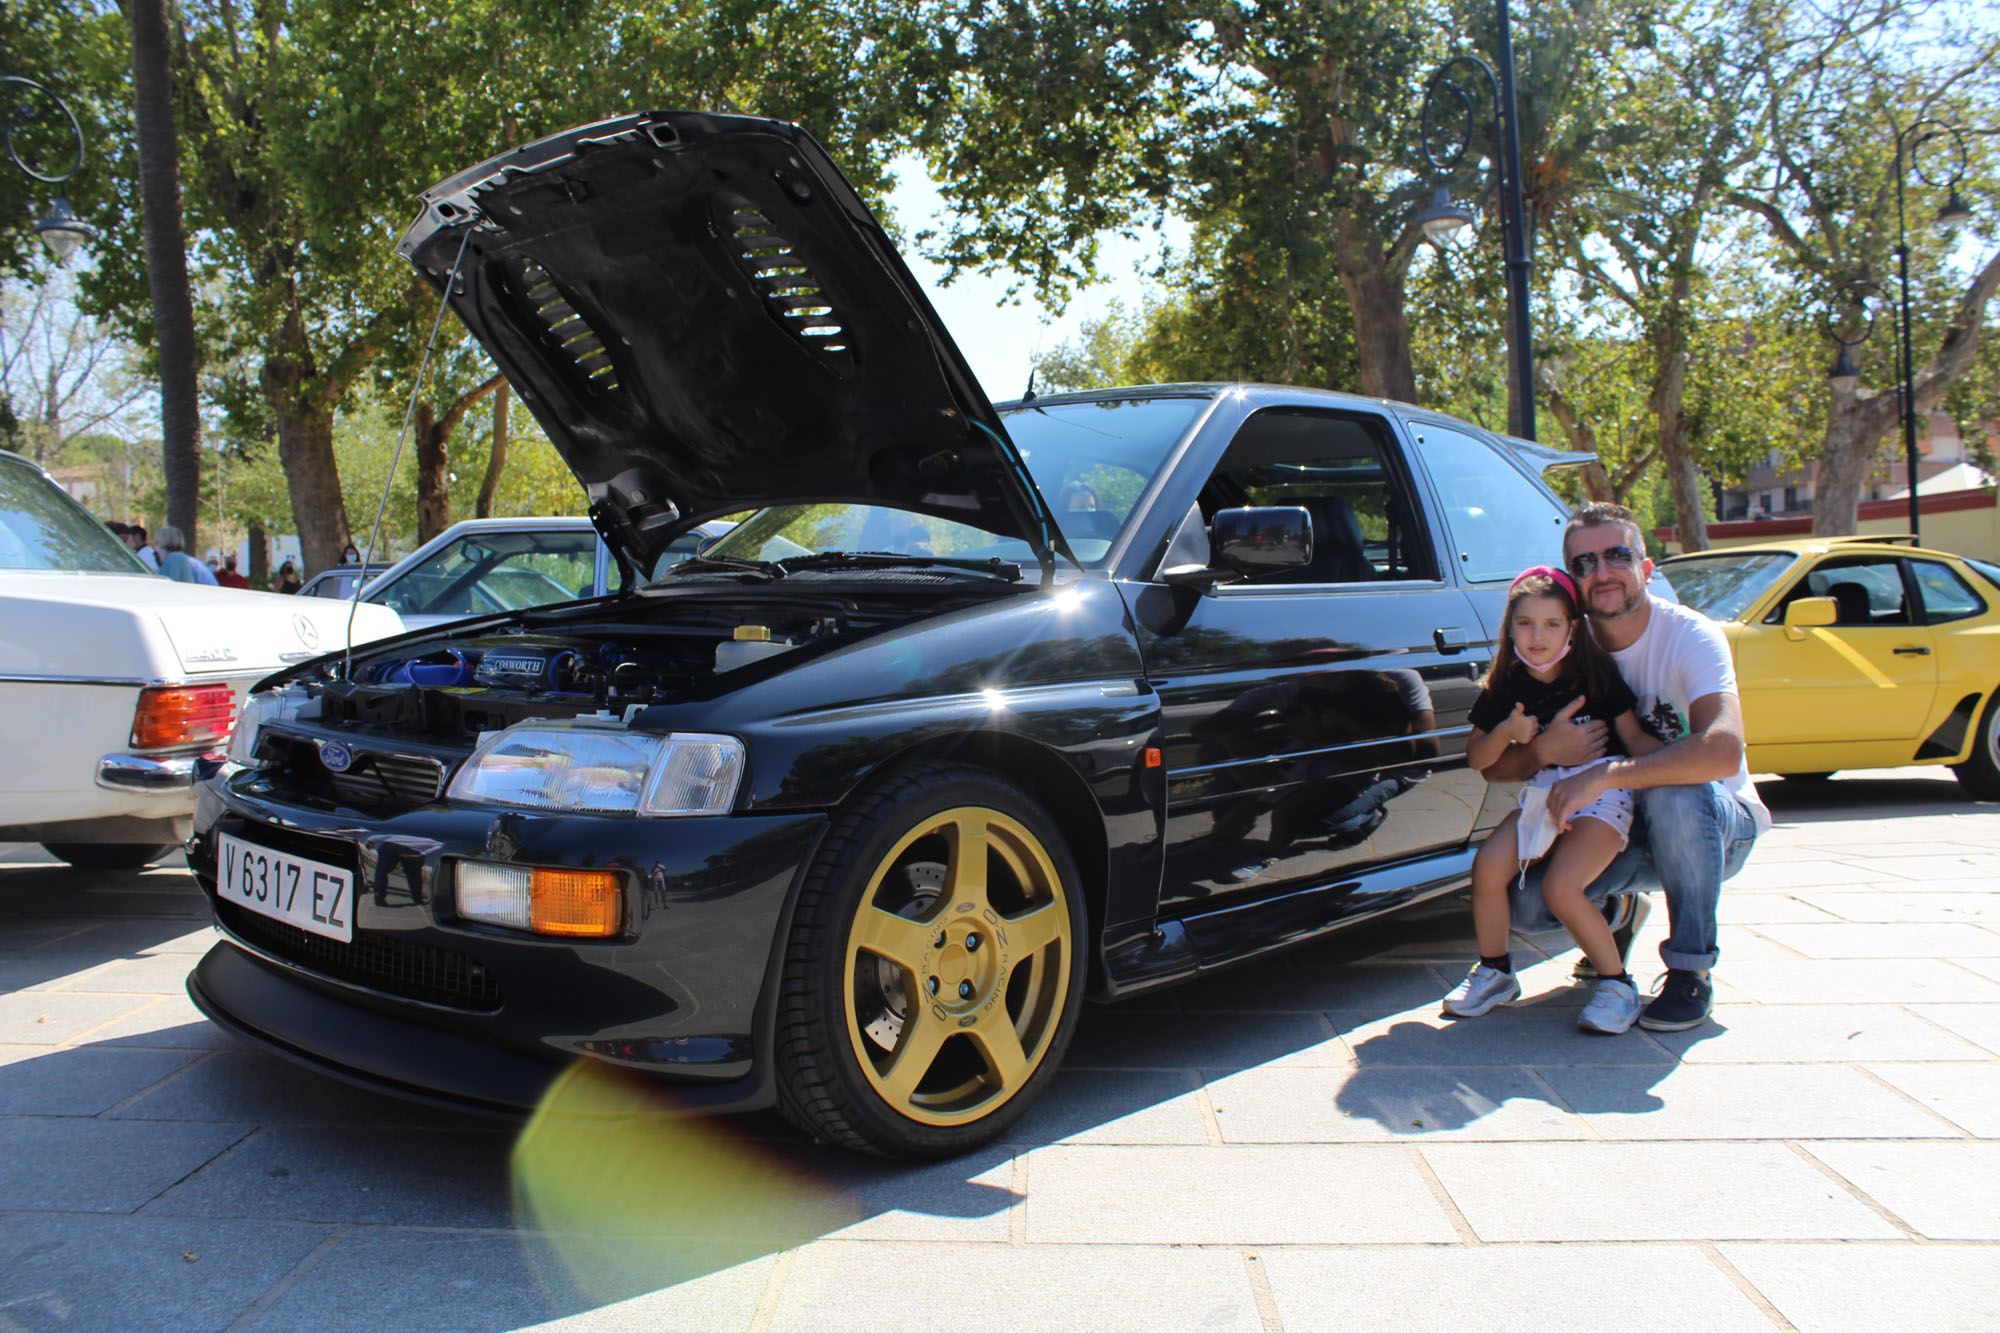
(1451,639)
(1912,652)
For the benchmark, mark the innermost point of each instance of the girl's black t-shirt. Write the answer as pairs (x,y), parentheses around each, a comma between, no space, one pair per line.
(1543,700)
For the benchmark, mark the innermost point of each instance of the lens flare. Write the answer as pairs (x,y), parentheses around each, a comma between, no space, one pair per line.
(619,1191)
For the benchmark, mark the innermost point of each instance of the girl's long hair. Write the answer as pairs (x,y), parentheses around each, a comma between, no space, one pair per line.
(1588,669)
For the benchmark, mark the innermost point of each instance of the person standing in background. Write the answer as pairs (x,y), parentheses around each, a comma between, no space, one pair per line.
(176,563)
(288,578)
(227,575)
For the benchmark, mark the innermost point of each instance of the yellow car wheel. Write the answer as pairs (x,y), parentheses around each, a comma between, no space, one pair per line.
(934,969)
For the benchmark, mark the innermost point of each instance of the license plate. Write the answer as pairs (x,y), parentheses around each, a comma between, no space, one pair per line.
(311,895)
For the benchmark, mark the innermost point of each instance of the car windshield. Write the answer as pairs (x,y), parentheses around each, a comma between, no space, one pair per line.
(1091,461)
(42,528)
(1722,586)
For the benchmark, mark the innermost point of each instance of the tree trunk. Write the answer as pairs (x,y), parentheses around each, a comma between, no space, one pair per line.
(1855,424)
(1670,421)
(433,474)
(305,450)
(1848,453)
(1375,291)
(166,261)
(259,572)
(496,462)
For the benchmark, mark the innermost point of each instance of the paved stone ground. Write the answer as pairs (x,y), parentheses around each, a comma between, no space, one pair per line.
(1301,1144)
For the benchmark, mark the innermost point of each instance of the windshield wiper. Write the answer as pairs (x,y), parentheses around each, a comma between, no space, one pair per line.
(992,565)
(735,564)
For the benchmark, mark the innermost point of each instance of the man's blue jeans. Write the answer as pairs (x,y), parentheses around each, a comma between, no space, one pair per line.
(1685,841)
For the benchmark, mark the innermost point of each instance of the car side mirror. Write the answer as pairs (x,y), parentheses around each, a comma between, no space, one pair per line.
(1810,613)
(1246,543)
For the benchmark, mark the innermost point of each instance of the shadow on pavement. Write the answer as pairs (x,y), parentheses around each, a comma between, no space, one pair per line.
(1860,796)
(611,1195)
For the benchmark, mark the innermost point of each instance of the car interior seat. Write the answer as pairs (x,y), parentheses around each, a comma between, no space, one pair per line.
(1851,599)
(1338,552)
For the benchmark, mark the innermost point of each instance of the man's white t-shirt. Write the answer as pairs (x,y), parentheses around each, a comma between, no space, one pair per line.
(1681,656)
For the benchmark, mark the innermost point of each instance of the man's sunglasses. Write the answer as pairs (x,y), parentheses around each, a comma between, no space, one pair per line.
(1584,563)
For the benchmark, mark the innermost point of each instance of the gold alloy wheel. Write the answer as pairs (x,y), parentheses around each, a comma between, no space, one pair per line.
(957,966)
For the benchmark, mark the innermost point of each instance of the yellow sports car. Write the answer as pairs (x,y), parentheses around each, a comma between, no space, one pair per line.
(1858,653)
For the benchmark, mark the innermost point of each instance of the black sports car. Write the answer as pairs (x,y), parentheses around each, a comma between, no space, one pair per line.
(980,713)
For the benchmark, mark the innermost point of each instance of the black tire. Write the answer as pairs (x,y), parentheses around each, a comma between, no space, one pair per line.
(979,991)
(1980,773)
(1807,777)
(108,855)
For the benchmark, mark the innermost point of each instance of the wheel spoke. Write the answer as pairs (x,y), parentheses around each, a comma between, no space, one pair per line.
(1001,1046)
(965,879)
(1034,930)
(922,1036)
(896,938)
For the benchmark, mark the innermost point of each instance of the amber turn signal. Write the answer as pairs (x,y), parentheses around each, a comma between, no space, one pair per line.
(180,717)
(575,903)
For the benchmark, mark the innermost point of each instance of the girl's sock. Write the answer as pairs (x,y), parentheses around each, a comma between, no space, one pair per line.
(1625,977)
(1503,963)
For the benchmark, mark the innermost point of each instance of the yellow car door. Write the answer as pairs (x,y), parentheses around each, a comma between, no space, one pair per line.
(1871,675)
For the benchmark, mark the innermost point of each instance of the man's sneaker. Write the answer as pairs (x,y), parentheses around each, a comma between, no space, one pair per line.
(1683,1002)
(1484,988)
(1624,913)
(1613,1007)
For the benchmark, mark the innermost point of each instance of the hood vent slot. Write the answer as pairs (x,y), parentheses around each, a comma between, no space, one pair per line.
(558,321)
(791,291)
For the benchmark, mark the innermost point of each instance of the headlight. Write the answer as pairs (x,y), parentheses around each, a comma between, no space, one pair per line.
(281,705)
(598,770)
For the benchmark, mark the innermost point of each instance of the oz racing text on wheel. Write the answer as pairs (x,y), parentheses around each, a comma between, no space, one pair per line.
(935,967)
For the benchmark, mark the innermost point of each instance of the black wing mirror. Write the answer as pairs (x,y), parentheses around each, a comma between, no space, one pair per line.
(1247,543)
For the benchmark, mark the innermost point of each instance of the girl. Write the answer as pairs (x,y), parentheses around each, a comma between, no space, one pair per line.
(1544,661)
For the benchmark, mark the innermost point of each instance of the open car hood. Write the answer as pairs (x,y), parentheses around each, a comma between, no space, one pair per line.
(705,318)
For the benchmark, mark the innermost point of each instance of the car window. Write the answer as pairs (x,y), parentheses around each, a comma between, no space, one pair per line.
(1093,460)
(1989,572)
(1867,591)
(41,527)
(1345,471)
(1946,596)
(484,572)
(1499,520)
(1722,586)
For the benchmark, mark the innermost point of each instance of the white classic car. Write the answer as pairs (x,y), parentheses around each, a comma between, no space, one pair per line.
(114,680)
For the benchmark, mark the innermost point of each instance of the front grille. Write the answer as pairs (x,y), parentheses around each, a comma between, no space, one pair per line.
(398,967)
(380,781)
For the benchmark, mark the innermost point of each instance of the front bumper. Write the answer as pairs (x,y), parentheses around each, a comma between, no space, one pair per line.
(484,1018)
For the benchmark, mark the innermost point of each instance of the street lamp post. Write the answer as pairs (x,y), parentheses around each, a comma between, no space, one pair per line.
(1442,217)
(61,231)
(1952,216)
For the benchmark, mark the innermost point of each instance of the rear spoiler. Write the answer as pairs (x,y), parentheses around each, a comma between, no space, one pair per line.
(1545,458)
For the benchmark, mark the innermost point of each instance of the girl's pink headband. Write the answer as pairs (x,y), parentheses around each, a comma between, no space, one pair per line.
(1550,572)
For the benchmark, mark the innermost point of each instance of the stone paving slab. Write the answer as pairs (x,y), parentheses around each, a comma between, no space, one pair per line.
(144,1274)
(1967,1095)
(1945,1191)
(1508,1289)
(1893,907)
(1115,1106)
(1650,1191)
(835,1287)
(1862,981)
(1307,1195)
(1760,1034)
(75,1164)
(1866,1288)
(1387,1104)
(1742,1102)
(1886,940)
(79,1081)
(1974,1022)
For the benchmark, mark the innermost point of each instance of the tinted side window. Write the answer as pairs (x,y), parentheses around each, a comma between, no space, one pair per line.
(1500,522)
(1946,595)
(1346,473)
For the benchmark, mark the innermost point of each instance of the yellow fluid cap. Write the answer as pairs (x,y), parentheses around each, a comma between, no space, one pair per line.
(753,633)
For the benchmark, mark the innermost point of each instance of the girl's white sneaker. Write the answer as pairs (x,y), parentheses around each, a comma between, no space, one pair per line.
(1483,989)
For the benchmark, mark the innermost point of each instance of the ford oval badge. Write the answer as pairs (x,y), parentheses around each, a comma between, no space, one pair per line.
(337,757)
